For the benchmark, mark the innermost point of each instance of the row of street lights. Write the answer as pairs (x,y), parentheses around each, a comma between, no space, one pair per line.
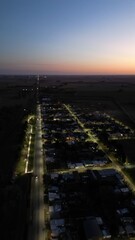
(28,150)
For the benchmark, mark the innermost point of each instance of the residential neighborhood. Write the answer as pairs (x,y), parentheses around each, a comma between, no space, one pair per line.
(86,197)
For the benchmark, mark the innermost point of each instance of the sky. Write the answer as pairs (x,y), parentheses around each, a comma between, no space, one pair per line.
(67,37)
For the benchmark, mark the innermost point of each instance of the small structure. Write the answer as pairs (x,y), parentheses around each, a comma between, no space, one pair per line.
(92,229)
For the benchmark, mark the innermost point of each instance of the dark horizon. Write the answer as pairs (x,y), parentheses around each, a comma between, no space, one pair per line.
(74,77)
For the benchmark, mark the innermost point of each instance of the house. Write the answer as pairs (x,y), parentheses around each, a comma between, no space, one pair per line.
(130,229)
(91,229)
(57,227)
(94,229)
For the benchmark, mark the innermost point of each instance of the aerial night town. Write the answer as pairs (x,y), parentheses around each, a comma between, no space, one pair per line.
(67,120)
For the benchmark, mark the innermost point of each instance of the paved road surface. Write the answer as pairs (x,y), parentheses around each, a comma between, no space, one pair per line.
(37,225)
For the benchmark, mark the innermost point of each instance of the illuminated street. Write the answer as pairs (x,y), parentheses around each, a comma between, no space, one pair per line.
(37,227)
(115,163)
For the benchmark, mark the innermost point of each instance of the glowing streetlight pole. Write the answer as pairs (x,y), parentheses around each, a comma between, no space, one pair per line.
(28,153)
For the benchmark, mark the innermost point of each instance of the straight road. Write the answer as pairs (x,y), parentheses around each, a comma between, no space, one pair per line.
(37,225)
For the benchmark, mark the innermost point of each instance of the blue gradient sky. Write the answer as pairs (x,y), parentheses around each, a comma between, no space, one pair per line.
(67,36)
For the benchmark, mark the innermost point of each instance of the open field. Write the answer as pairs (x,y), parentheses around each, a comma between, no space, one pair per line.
(16,90)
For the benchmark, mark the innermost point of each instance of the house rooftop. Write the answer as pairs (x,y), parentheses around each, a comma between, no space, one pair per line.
(92,229)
